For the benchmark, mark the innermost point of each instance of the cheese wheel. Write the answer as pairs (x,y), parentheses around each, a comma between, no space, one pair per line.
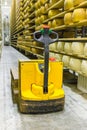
(53,1)
(34,43)
(75,64)
(37,20)
(78,15)
(58,57)
(50,24)
(67,47)
(43,17)
(84,67)
(51,54)
(85,49)
(66,60)
(36,5)
(57,22)
(42,9)
(36,13)
(68,18)
(39,12)
(68,4)
(60,46)
(52,46)
(46,6)
(77,2)
(42,1)
(28,37)
(52,13)
(34,50)
(77,48)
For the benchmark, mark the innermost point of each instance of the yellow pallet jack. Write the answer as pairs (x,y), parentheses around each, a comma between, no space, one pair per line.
(40,81)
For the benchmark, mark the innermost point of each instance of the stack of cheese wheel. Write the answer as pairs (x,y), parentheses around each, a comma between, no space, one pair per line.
(77,2)
(68,18)
(75,64)
(60,46)
(58,57)
(66,60)
(68,4)
(85,49)
(52,46)
(67,47)
(84,67)
(78,15)
(77,48)
(57,22)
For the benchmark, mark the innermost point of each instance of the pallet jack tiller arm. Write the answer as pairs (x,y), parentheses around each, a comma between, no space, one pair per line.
(43,36)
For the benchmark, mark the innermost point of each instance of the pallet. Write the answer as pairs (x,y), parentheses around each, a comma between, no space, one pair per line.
(14,84)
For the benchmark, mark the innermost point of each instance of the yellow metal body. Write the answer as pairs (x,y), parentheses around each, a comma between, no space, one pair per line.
(31,80)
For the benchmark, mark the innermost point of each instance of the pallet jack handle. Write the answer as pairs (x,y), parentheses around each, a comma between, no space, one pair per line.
(43,36)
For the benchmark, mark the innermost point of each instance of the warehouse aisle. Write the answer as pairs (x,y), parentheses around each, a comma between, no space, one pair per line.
(74,116)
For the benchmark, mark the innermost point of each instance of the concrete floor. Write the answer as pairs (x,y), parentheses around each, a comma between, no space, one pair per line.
(74,116)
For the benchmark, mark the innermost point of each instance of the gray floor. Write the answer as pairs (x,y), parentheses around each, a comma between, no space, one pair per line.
(74,116)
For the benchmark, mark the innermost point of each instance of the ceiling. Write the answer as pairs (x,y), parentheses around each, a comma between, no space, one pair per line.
(6,5)
(6,2)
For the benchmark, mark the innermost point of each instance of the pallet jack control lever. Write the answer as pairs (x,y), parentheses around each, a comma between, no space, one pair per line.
(44,36)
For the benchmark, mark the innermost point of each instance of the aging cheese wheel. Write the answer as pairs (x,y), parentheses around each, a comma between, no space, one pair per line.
(43,17)
(75,64)
(58,57)
(50,24)
(34,50)
(42,2)
(34,43)
(84,66)
(68,4)
(51,54)
(37,20)
(52,13)
(86,13)
(42,9)
(46,6)
(53,1)
(66,60)
(67,47)
(68,18)
(57,22)
(77,48)
(79,15)
(60,46)
(77,2)
(52,46)
(85,49)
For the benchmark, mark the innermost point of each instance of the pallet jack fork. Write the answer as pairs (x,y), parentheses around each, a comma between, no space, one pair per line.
(40,81)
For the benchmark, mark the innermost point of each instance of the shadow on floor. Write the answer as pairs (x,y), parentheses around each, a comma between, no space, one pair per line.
(70,81)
